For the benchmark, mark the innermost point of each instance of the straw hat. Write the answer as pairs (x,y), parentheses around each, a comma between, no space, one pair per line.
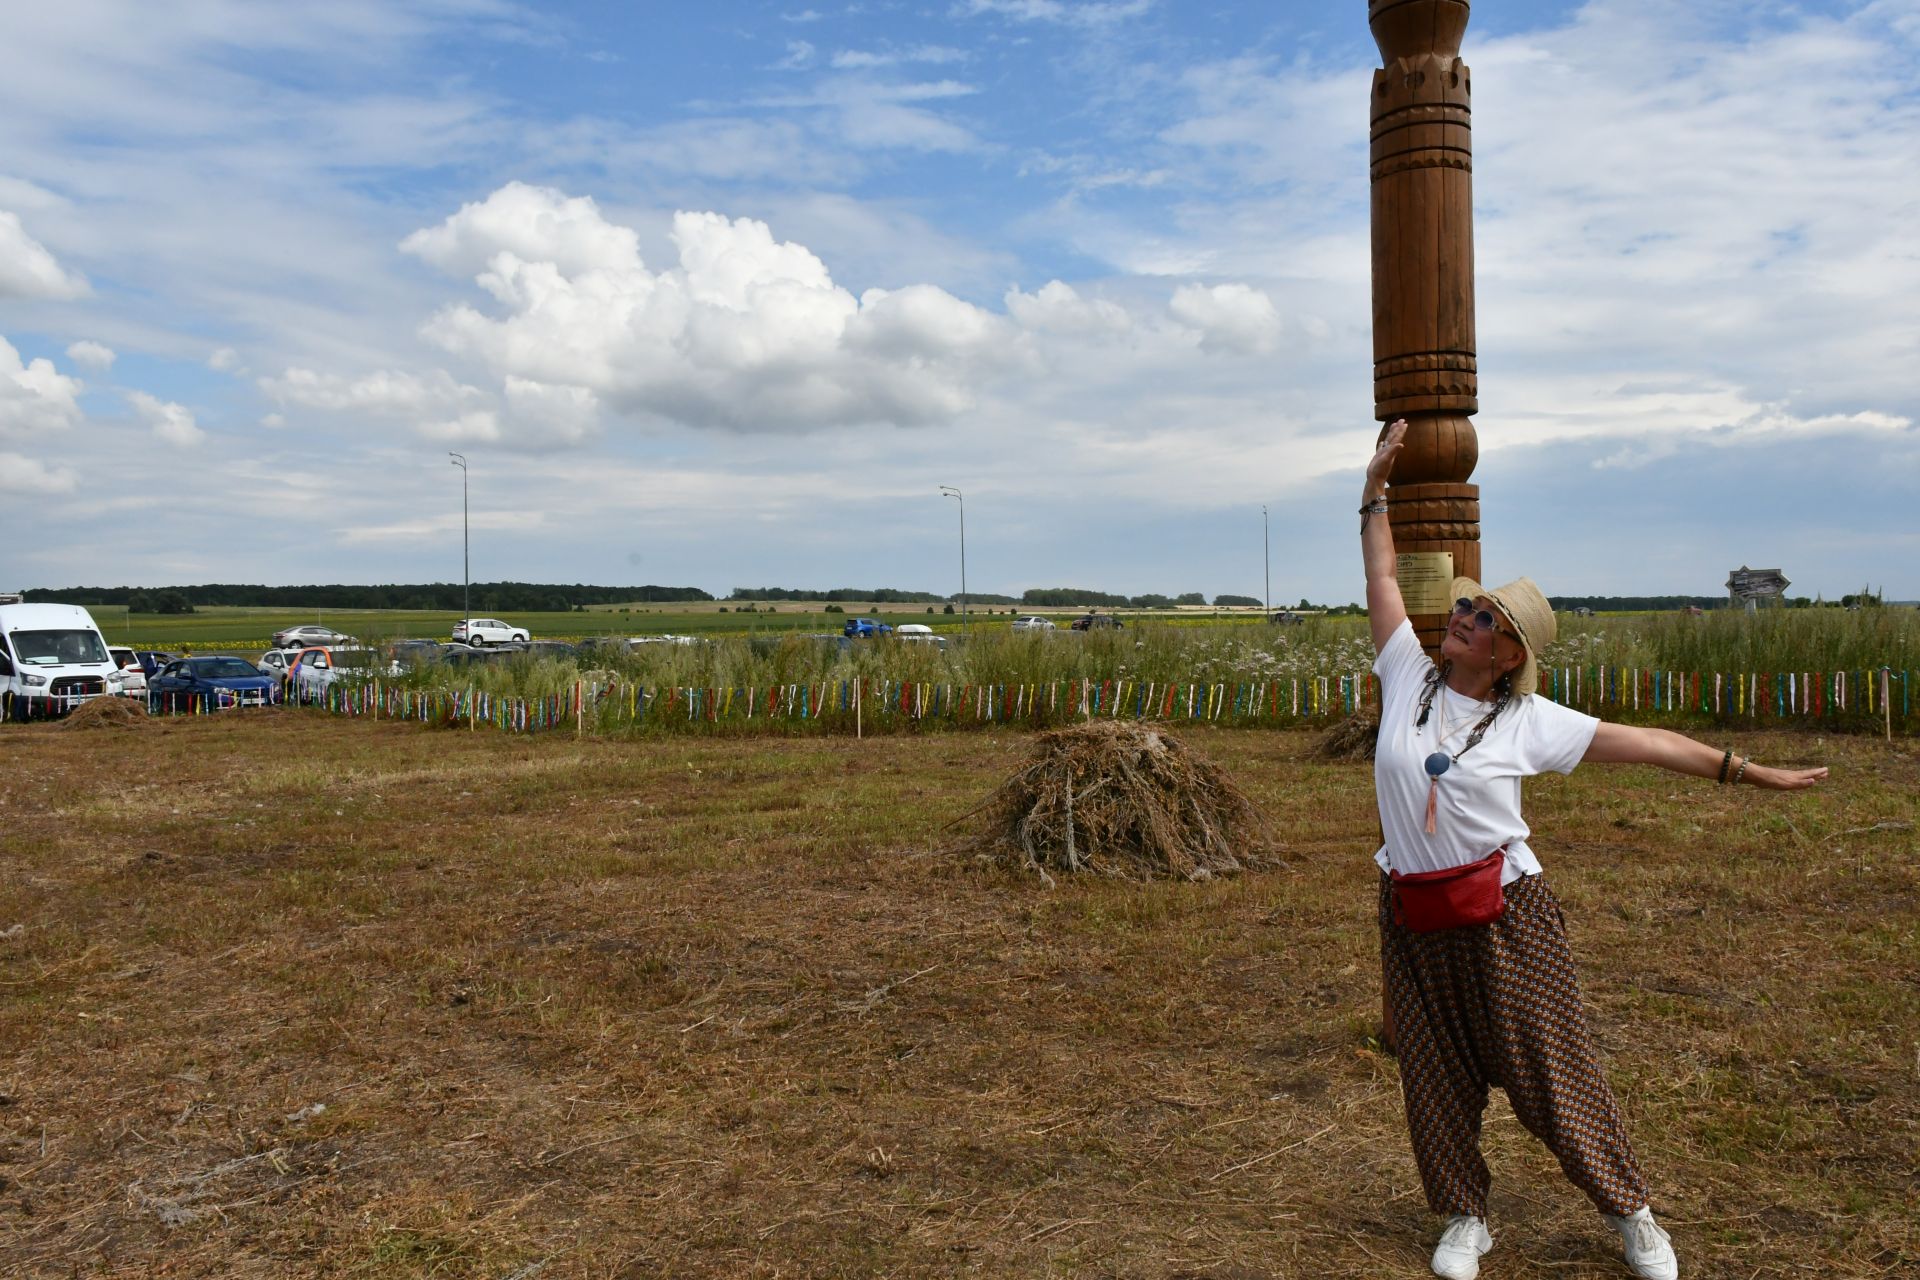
(1528,615)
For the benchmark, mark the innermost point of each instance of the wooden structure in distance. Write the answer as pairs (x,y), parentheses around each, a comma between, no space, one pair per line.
(1421,182)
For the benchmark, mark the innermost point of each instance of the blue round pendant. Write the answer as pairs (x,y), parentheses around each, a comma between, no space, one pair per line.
(1438,763)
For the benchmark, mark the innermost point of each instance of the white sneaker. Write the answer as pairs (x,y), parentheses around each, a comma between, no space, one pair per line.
(1457,1256)
(1649,1251)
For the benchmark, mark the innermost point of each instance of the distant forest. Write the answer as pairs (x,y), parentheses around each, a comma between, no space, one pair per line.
(1636,604)
(487,597)
(862,595)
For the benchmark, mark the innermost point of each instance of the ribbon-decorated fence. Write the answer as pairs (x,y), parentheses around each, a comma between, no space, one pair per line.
(1869,698)
(1880,696)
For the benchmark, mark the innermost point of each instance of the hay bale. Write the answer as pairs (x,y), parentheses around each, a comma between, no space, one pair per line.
(1121,799)
(1352,739)
(106,713)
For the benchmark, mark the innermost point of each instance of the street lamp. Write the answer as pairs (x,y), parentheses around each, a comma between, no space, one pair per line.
(951,492)
(1266,551)
(466,571)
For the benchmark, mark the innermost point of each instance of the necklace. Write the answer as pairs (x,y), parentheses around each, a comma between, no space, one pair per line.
(1439,761)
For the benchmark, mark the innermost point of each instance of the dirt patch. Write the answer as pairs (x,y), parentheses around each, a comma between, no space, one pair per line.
(1126,800)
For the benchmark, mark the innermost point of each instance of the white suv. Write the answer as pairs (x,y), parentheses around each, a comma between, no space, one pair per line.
(479,631)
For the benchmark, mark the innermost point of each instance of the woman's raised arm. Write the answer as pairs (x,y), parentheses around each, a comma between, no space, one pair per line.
(1385,609)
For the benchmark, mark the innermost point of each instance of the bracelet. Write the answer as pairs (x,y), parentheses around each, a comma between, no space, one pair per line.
(1725,760)
(1742,769)
(1378,507)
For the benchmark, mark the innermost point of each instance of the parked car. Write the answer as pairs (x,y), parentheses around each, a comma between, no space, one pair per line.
(1097,622)
(866,628)
(918,633)
(318,669)
(307,635)
(275,662)
(634,642)
(1286,618)
(479,631)
(222,678)
(133,681)
(552,650)
(1034,622)
(151,660)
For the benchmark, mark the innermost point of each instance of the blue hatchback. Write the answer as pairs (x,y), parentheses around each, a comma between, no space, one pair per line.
(866,628)
(221,679)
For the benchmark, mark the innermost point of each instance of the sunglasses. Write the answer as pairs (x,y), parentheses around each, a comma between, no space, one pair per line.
(1483,619)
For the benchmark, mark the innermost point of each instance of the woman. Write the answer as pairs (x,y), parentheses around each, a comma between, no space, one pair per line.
(1480,984)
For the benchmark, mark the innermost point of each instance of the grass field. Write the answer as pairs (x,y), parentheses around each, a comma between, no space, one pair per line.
(291,996)
(230,625)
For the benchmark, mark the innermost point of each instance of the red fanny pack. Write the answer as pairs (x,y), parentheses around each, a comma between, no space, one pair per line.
(1453,898)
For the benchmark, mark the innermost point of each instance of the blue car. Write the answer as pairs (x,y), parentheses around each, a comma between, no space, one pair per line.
(866,628)
(220,680)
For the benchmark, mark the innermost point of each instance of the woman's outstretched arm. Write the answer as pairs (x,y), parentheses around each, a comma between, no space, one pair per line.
(1632,744)
(1385,609)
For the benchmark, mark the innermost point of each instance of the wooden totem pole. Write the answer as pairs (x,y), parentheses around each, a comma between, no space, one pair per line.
(1423,345)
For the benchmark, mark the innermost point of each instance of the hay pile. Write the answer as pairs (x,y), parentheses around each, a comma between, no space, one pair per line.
(106,713)
(1352,739)
(1121,799)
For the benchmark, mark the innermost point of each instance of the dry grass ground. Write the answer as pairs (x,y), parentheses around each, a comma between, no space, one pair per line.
(287,996)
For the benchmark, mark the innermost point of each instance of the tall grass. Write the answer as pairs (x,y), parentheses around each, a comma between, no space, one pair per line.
(1730,640)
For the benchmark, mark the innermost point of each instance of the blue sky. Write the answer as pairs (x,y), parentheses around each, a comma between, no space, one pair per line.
(718,295)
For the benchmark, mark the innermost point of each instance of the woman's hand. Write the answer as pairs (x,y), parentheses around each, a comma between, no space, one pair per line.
(1760,775)
(1381,467)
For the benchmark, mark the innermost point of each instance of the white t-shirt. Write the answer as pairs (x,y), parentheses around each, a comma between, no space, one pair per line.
(1478,806)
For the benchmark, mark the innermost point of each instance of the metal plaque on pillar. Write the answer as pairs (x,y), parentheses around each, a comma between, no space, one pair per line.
(1421,181)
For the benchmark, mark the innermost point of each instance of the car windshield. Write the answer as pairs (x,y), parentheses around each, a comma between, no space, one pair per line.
(222,668)
(57,648)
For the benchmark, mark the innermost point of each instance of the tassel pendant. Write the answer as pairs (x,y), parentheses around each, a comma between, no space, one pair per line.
(1433,802)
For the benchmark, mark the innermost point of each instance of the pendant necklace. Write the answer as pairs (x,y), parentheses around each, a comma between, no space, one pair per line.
(1439,761)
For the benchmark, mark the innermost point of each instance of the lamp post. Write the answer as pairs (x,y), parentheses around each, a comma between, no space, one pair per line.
(951,492)
(1266,553)
(466,573)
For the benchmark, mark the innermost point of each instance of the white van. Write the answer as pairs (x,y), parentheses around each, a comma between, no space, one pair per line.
(52,658)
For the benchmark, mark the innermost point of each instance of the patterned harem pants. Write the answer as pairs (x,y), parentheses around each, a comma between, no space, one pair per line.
(1499,1004)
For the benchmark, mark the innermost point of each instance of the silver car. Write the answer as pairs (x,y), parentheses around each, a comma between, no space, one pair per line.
(309,634)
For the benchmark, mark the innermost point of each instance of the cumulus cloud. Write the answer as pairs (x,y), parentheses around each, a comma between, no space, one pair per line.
(1059,308)
(27,270)
(19,474)
(224,360)
(35,398)
(1233,318)
(1059,11)
(91,355)
(170,422)
(745,332)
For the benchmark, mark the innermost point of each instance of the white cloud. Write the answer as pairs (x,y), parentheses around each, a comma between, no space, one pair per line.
(1235,318)
(35,398)
(1059,308)
(867,59)
(25,475)
(91,355)
(1058,11)
(224,360)
(385,392)
(27,270)
(274,421)
(170,422)
(745,332)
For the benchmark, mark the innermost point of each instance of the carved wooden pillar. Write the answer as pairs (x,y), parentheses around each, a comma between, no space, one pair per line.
(1423,343)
